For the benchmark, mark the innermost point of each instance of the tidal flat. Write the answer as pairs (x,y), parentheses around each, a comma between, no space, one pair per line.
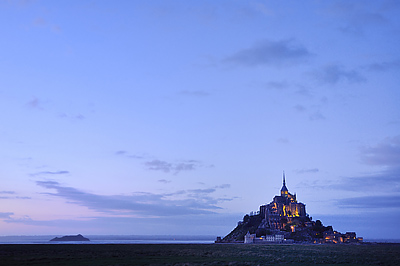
(198,254)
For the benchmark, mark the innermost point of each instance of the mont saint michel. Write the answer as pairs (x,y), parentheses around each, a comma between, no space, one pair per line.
(285,220)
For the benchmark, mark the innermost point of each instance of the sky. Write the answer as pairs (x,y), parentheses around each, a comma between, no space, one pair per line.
(179,117)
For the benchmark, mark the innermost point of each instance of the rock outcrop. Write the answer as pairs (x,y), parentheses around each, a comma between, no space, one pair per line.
(71,238)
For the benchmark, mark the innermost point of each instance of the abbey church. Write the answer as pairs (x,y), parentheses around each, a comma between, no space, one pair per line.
(284,209)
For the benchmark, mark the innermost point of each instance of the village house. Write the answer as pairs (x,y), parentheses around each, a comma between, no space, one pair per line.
(337,237)
(252,238)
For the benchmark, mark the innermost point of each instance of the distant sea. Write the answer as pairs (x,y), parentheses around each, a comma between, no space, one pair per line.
(111,239)
(382,240)
(133,239)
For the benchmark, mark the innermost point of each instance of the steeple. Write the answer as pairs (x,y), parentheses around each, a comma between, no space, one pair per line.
(284,190)
(284,182)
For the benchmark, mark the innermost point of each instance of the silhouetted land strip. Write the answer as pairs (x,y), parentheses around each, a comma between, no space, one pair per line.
(199,254)
(70,238)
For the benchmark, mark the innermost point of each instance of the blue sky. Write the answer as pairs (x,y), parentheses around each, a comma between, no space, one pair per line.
(178,117)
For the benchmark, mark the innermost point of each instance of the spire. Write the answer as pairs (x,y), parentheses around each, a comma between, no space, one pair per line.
(284,190)
(284,181)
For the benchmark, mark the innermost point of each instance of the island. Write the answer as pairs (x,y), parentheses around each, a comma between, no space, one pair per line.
(285,220)
(71,238)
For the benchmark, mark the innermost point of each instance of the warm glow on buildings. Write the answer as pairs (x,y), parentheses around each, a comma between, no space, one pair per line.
(282,209)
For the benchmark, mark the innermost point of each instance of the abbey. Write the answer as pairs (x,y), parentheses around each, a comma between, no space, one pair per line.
(283,210)
(284,219)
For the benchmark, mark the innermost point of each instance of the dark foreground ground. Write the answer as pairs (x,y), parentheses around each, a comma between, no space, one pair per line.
(199,254)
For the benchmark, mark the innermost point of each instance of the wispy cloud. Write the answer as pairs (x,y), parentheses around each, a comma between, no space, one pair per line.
(34,103)
(307,171)
(386,153)
(367,202)
(302,91)
(184,202)
(300,108)
(6,215)
(39,22)
(7,192)
(72,116)
(384,66)
(387,181)
(313,112)
(174,167)
(42,22)
(37,104)
(50,173)
(129,155)
(121,152)
(283,140)
(279,85)
(356,18)
(224,186)
(273,53)
(14,197)
(11,195)
(159,165)
(164,181)
(357,23)
(317,115)
(333,74)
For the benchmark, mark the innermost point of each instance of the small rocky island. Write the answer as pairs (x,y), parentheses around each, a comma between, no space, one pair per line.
(71,238)
(285,220)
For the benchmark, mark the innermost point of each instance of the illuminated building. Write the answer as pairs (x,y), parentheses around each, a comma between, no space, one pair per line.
(284,209)
(333,237)
(337,237)
(284,220)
